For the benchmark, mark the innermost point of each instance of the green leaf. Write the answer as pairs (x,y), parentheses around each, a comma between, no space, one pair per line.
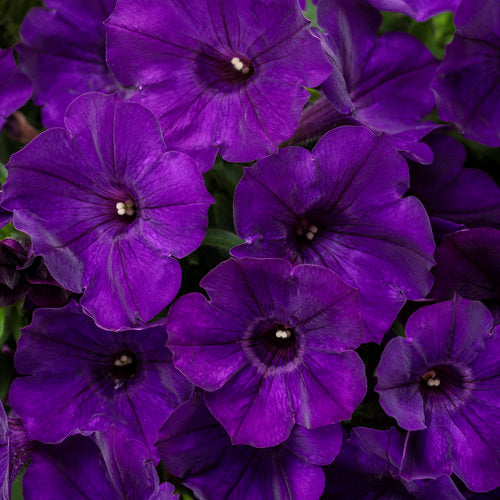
(17,485)
(310,13)
(398,328)
(221,238)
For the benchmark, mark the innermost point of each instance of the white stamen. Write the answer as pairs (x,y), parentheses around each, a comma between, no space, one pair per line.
(283,334)
(313,229)
(123,360)
(433,382)
(309,235)
(126,207)
(245,70)
(239,65)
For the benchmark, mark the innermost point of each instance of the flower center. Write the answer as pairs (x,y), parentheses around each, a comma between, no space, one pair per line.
(222,71)
(272,345)
(124,368)
(431,378)
(126,207)
(306,230)
(450,384)
(242,66)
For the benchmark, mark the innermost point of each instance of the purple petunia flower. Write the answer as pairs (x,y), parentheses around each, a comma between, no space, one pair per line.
(341,207)
(21,274)
(79,378)
(421,10)
(195,447)
(454,197)
(445,389)
(274,346)
(106,467)
(367,468)
(378,81)
(63,52)
(468,263)
(15,86)
(225,76)
(467,83)
(104,204)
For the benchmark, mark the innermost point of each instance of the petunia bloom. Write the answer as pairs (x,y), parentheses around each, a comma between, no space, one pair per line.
(367,468)
(467,85)
(106,466)
(445,390)
(420,10)
(225,76)
(341,207)
(195,447)
(78,378)
(273,346)
(63,52)
(378,81)
(15,86)
(105,203)
(454,197)
(468,263)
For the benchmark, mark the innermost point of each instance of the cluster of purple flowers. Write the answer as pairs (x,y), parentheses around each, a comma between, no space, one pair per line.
(347,346)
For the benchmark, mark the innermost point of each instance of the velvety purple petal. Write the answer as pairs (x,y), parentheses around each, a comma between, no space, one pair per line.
(443,487)
(74,469)
(165,491)
(398,383)
(352,27)
(128,463)
(326,388)
(451,193)
(175,62)
(467,83)
(428,453)
(262,416)
(486,369)
(393,90)
(205,349)
(63,52)
(191,439)
(321,304)
(315,446)
(418,9)
(120,283)
(387,77)
(468,263)
(15,86)
(450,331)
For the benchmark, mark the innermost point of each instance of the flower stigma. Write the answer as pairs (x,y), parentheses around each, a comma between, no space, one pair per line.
(283,333)
(431,378)
(123,360)
(239,65)
(126,207)
(307,230)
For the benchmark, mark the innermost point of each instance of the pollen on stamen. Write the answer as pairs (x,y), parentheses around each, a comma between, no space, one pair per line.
(431,379)
(123,360)
(239,65)
(125,208)
(283,334)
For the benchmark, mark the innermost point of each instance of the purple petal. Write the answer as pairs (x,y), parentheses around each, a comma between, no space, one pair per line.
(63,52)
(15,87)
(467,83)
